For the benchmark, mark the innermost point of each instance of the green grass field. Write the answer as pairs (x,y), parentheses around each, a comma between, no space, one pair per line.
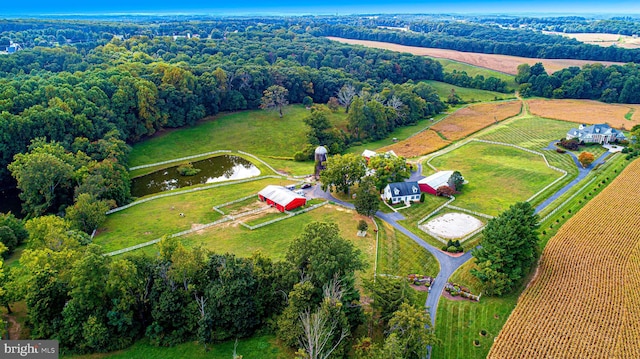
(399,255)
(498,175)
(534,133)
(468,94)
(450,65)
(258,132)
(156,218)
(459,322)
(259,346)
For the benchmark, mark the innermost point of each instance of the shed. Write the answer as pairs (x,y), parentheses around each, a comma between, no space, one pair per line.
(281,198)
(430,184)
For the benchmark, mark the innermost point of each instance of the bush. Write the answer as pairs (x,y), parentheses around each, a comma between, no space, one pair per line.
(307,101)
(362,225)
(560,150)
(299,156)
(571,144)
(422,197)
(188,170)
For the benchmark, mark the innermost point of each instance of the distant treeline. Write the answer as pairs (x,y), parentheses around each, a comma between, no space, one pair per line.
(483,39)
(619,84)
(572,24)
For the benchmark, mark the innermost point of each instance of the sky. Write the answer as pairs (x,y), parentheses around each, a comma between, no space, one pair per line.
(325,7)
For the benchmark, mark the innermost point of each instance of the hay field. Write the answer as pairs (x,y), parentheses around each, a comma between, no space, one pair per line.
(424,142)
(604,40)
(503,63)
(473,118)
(587,112)
(585,298)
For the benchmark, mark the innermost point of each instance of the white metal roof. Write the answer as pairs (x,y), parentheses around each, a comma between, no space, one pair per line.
(368,153)
(279,195)
(437,179)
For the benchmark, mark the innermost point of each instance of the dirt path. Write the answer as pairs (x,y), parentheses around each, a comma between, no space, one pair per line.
(14,327)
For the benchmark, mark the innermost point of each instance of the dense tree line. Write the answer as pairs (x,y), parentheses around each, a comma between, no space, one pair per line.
(484,39)
(613,84)
(141,85)
(96,303)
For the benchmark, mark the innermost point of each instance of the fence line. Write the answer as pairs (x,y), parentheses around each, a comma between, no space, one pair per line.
(189,191)
(178,159)
(289,214)
(470,211)
(436,210)
(567,200)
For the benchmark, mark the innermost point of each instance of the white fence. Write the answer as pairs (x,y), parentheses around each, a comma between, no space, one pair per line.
(178,159)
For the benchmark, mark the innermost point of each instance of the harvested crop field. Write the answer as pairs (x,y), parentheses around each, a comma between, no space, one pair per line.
(588,112)
(421,144)
(473,118)
(604,40)
(585,298)
(502,63)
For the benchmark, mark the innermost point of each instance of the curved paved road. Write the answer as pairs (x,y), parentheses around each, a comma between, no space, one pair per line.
(448,264)
(582,173)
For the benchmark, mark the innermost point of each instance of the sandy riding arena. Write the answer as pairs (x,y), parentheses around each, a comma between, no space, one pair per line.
(452,225)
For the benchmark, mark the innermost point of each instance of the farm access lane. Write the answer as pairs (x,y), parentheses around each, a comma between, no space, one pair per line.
(448,264)
(582,174)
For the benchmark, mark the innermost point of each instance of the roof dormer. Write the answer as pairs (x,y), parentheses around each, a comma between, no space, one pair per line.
(396,191)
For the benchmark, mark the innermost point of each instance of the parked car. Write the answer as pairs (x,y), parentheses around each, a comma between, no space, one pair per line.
(306,185)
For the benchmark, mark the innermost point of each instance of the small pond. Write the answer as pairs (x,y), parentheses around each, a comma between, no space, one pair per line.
(214,169)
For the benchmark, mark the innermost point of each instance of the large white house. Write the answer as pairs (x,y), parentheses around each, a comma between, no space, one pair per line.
(401,192)
(601,133)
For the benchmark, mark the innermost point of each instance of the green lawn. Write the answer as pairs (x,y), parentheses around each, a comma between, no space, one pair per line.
(258,132)
(468,94)
(450,65)
(498,175)
(459,322)
(534,133)
(261,346)
(156,218)
(399,255)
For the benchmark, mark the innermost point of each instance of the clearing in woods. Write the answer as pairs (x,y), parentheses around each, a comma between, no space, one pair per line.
(587,112)
(503,63)
(586,295)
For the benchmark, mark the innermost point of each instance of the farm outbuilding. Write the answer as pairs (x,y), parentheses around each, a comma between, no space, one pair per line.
(281,198)
(430,184)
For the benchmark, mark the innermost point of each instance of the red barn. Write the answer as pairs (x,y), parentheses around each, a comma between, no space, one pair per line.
(430,184)
(281,198)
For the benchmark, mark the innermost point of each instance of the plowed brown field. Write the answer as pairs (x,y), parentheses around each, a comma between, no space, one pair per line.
(502,63)
(586,111)
(473,118)
(585,300)
(421,144)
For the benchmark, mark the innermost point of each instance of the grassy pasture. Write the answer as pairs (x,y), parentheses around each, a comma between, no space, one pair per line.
(153,219)
(473,71)
(587,112)
(258,132)
(473,118)
(459,322)
(467,94)
(534,133)
(259,346)
(498,175)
